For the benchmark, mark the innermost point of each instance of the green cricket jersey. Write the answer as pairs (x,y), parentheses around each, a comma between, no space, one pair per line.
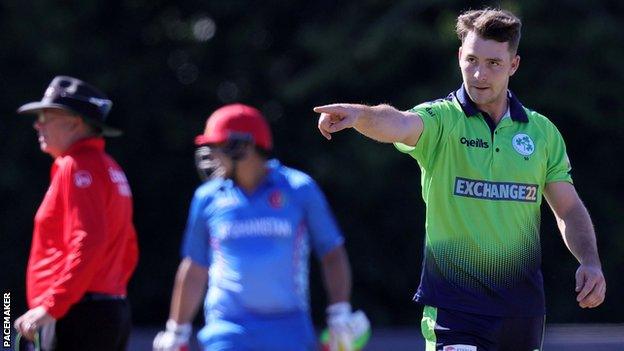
(482,185)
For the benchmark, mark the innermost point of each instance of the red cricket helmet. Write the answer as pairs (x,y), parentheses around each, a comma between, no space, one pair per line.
(233,121)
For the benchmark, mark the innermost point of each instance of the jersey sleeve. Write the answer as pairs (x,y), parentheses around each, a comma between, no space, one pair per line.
(196,242)
(324,232)
(558,164)
(431,135)
(84,231)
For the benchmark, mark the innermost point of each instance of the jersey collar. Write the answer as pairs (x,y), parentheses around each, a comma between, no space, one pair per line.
(96,143)
(87,143)
(516,110)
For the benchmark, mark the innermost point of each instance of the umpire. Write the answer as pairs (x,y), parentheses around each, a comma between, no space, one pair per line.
(84,247)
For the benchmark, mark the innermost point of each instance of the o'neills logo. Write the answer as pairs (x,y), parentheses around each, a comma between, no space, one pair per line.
(474,142)
(483,189)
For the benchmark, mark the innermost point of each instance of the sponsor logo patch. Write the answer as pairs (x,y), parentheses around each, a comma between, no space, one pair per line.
(257,227)
(523,144)
(459,347)
(486,190)
(82,179)
(474,142)
(119,178)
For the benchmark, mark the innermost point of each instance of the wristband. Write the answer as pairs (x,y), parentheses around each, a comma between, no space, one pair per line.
(183,330)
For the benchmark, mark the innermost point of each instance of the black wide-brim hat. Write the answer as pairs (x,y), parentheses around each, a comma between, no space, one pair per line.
(78,97)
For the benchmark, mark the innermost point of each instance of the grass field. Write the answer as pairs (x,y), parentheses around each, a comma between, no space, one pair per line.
(559,337)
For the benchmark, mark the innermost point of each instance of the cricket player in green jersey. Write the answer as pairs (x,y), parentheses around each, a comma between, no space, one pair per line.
(486,163)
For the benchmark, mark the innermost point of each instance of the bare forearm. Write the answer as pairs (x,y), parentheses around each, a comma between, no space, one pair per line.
(337,275)
(386,124)
(578,233)
(188,292)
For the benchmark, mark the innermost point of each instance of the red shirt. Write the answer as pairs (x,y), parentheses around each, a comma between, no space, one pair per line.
(84,239)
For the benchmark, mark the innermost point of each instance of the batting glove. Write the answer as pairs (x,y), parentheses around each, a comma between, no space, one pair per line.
(174,338)
(340,337)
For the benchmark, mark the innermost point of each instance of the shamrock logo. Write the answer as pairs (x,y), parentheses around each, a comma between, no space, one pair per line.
(523,144)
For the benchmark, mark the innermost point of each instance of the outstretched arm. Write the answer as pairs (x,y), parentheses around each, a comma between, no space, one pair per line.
(382,122)
(578,234)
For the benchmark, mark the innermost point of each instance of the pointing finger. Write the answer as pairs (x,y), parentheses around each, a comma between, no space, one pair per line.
(337,109)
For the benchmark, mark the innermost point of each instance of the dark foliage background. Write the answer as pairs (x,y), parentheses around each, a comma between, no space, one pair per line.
(167,65)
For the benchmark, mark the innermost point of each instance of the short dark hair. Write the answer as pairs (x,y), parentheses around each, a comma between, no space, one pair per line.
(494,24)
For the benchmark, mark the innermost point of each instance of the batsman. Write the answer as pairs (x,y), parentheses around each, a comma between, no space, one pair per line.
(250,230)
(486,161)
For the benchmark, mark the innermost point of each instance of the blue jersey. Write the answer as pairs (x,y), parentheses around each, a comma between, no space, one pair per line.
(257,246)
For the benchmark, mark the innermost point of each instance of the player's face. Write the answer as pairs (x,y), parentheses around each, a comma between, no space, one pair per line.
(486,66)
(55,128)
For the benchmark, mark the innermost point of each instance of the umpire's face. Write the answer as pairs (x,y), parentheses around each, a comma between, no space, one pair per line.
(55,129)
